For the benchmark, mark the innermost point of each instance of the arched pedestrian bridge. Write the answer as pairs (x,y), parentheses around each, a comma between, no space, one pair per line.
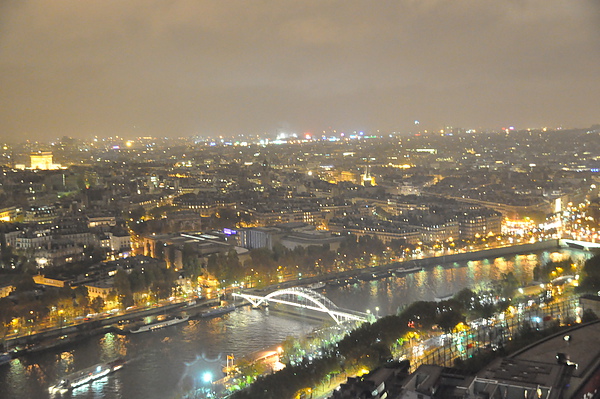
(305,298)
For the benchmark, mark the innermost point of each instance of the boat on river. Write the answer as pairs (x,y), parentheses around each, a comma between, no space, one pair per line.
(316,286)
(160,324)
(86,375)
(402,271)
(340,282)
(367,277)
(5,358)
(217,311)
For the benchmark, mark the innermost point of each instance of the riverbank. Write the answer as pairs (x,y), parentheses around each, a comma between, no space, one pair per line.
(119,323)
(169,360)
(56,337)
(428,263)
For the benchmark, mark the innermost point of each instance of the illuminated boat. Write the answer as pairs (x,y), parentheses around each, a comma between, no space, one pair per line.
(160,324)
(86,375)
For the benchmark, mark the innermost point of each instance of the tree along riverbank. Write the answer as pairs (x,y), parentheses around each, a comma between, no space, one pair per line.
(423,263)
(55,337)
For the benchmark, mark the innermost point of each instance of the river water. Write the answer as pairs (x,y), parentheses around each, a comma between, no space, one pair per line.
(166,362)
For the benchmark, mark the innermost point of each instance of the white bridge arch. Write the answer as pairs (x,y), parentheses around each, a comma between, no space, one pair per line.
(306,299)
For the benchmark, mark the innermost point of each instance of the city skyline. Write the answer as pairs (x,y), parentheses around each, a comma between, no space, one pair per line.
(204,68)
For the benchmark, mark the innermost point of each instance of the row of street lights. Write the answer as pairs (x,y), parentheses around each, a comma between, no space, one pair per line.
(376,315)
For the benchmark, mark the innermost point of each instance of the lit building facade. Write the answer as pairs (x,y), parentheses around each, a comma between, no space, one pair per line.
(42,160)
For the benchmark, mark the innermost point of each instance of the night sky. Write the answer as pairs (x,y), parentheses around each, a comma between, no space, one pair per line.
(184,67)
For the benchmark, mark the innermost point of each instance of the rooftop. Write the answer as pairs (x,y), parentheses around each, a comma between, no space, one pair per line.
(581,345)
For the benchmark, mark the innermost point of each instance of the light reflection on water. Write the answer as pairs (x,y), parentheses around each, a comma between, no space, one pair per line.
(392,293)
(167,361)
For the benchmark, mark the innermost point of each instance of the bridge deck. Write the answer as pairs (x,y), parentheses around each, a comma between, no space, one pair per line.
(305,299)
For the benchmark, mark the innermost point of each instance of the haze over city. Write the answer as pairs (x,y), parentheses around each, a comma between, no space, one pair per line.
(299,199)
(135,68)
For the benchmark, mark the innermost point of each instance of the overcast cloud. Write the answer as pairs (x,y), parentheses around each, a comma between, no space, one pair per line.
(183,67)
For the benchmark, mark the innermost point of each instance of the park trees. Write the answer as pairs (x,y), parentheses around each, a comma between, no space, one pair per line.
(590,279)
(193,266)
(226,268)
(553,269)
(122,286)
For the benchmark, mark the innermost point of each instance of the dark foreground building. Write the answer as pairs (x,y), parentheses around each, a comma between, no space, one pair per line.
(562,366)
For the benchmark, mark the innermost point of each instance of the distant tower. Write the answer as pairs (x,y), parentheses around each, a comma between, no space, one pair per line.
(265,173)
(41,160)
(367,179)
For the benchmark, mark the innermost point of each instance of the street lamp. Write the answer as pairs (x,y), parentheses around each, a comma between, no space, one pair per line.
(207,378)
(31,321)
(370,316)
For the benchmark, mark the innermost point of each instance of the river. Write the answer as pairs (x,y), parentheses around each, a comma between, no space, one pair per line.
(168,361)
